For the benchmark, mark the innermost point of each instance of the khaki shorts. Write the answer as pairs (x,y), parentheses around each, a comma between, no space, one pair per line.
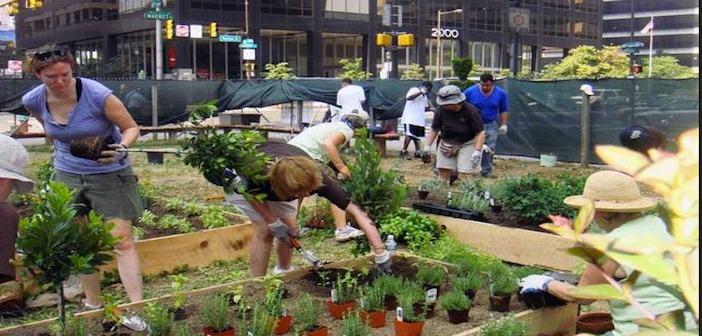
(111,195)
(278,209)
(460,162)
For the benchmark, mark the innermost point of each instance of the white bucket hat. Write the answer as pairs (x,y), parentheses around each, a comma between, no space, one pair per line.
(587,88)
(14,159)
(612,192)
(450,94)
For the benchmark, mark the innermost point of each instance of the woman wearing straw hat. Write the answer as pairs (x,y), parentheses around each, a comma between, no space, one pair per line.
(619,210)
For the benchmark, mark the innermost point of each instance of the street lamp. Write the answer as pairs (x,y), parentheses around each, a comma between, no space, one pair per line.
(439,50)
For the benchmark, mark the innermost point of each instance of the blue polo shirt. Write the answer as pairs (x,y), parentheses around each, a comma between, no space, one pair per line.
(491,106)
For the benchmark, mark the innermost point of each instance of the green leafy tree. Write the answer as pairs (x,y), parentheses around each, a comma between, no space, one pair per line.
(415,72)
(55,245)
(462,67)
(588,62)
(281,70)
(667,67)
(353,69)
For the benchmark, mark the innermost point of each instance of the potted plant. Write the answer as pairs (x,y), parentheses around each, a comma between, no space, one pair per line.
(354,325)
(75,326)
(468,284)
(307,315)
(235,297)
(343,297)
(273,306)
(502,289)
(409,322)
(54,245)
(159,319)
(390,286)
(177,286)
(111,314)
(595,323)
(316,215)
(261,324)
(182,329)
(372,304)
(215,316)
(423,303)
(426,156)
(428,185)
(507,326)
(431,278)
(457,305)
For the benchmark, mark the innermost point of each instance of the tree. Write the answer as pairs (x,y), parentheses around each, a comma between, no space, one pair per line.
(462,67)
(279,71)
(415,72)
(588,62)
(353,69)
(667,67)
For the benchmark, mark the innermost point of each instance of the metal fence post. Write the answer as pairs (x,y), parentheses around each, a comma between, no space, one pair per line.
(585,131)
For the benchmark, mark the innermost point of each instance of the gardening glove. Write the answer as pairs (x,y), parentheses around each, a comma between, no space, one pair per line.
(535,283)
(117,153)
(487,149)
(281,231)
(503,129)
(475,159)
(384,262)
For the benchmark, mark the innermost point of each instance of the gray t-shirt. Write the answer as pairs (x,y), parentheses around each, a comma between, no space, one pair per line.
(311,139)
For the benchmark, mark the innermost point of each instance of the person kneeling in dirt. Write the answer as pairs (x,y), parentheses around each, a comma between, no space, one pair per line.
(14,159)
(292,176)
(322,142)
(620,211)
(462,132)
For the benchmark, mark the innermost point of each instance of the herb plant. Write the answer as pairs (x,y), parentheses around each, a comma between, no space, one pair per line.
(507,326)
(173,222)
(455,301)
(307,314)
(75,326)
(177,286)
(410,227)
(175,204)
(214,313)
(192,209)
(471,282)
(261,324)
(213,217)
(431,276)
(353,325)
(345,289)
(148,218)
(388,284)
(407,300)
(372,299)
(431,184)
(505,285)
(159,319)
(273,303)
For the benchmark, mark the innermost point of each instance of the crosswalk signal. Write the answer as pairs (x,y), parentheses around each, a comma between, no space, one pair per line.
(169,29)
(34,4)
(13,8)
(213,29)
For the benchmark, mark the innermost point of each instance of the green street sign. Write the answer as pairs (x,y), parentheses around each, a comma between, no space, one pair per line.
(158,15)
(230,38)
(631,47)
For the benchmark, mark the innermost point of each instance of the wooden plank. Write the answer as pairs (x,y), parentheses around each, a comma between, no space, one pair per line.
(547,321)
(195,249)
(517,246)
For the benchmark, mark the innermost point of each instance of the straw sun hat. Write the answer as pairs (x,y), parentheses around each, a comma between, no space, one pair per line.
(612,192)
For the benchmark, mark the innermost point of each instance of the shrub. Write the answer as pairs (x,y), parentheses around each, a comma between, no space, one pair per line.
(182,329)
(455,300)
(353,325)
(388,284)
(214,313)
(273,303)
(411,227)
(160,321)
(505,327)
(413,294)
(431,276)
(280,70)
(431,184)
(345,289)
(505,285)
(462,67)
(414,72)
(353,69)
(471,282)
(372,299)
(307,314)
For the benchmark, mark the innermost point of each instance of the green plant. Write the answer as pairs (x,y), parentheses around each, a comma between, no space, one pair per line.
(261,324)
(410,227)
(507,326)
(455,300)
(177,286)
(525,271)
(317,210)
(111,313)
(213,153)
(462,67)
(236,297)
(214,217)
(372,299)
(160,321)
(182,329)
(353,69)
(307,314)
(431,276)
(175,204)
(414,72)
(147,190)
(470,201)
(55,245)
(281,70)
(471,282)
(431,184)
(214,313)
(505,285)
(173,222)
(345,289)
(407,299)
(388,284)
(353,325)
(138,232)
(192,209)
(75,326)
(273,303)
(148,218)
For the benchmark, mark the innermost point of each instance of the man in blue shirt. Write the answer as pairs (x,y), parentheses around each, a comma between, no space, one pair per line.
(492,103)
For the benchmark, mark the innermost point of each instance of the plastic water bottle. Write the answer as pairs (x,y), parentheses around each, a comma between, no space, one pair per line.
(390,244)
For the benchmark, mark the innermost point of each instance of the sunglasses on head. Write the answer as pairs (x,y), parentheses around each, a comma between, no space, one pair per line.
(45,55)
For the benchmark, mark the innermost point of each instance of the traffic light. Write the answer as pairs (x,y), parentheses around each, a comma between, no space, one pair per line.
(13,8)
(169,29)
(383,40)
(213,29)
(34,4)
(405,40)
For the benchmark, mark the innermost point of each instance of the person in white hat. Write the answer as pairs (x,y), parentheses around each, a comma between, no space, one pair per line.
(14,159)
(322,142)
(619,210)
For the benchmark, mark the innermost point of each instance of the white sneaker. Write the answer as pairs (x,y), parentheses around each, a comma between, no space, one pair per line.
(279,270)
(134,323)
(347,233)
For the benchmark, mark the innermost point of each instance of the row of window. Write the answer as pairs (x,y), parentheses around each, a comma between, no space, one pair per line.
(68,19)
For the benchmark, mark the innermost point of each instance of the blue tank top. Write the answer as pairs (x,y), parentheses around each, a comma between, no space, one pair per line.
(86,120)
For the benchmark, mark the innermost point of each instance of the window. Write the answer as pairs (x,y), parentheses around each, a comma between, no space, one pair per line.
(556,25)
(587,6)
(453,20)
(287,7)
(482,18)
(485,54)
(68,19)
(128,6)
(586,29)
(347,10)
(112,14)
(562,4)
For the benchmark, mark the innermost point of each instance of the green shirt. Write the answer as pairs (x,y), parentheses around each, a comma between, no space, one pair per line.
(649,292)
(311,139)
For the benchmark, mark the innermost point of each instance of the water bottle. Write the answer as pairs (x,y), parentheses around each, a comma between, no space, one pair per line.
(390,244)
(449,196)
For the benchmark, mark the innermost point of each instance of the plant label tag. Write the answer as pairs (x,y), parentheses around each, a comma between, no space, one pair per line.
(400,313)
(487,195)
(431,295)
(492,202)
(250,334)
(334,296)
(285,312)
(362,302)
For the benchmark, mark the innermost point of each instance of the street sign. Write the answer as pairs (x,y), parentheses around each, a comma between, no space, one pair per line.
(158,15)
(631,47)
(182,31)
(195,31)
(249,54)
(14,66)
(519,18)
(248,44)
(230,38)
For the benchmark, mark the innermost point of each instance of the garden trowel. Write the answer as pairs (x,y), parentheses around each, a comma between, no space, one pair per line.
(306,254)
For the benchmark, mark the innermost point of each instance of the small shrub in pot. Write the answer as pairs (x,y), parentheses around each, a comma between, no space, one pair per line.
(390,286)
(431,276)
(273,306)
(177,286)
(307,315)
(343,298)
(457,304)
(469,284)
(409,321)
(372,304)
(159,319)
(215,315)
(353,325)
(502,290)
(261,323)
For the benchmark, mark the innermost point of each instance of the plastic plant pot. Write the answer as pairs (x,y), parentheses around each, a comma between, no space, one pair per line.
(376,319)
(500,302)
(210,332)
(458,316)
(283,324)
(421,194)
(322,331)
(408,328)
(337,310)
(595,323)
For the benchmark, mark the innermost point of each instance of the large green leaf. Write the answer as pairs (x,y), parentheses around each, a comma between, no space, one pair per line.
(598,292)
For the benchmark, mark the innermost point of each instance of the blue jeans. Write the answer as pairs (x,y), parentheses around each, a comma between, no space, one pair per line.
(492,130)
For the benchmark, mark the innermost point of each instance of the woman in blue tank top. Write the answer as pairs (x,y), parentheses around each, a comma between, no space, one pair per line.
(89,126)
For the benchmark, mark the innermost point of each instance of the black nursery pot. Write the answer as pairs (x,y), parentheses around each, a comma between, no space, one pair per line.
(391,302)
(179,314)
(470,294)
(500,302)
(458,316)
(540,300)
(421,194)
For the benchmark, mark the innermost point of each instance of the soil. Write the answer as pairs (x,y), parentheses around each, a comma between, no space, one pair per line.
(159,210)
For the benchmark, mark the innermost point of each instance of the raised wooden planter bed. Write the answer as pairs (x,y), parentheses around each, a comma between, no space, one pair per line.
(448,212)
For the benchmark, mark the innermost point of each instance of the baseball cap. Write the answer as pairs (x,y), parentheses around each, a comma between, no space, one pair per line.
(356,118)
(14,159)
(450,94)
(641,138)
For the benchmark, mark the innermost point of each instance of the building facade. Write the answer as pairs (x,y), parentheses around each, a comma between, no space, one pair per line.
(112,38)
(676,25)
